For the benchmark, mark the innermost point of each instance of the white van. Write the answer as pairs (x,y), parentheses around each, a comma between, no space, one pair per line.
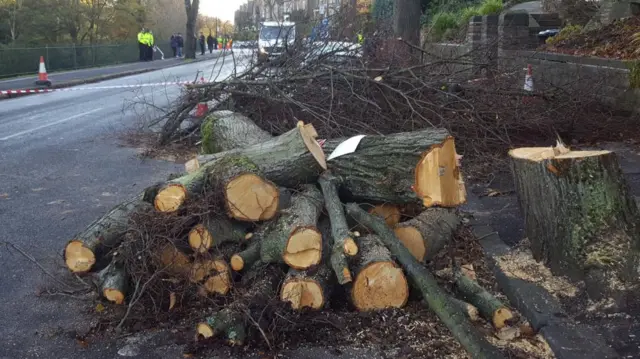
(275,39)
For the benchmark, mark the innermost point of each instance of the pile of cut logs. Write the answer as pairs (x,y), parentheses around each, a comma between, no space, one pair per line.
(279,203)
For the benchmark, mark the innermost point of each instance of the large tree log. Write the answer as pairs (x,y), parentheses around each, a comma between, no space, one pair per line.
(425,235)
(224,133)
(490,307)
(379,283)
(113,282)
(215,230)
(173,260)
(294,238)
(213,274)
(424,281)
(409,167)
(247,195)
(579,215)
(104,234)
(343,244)
(287,160)
(308,289)
(389,212)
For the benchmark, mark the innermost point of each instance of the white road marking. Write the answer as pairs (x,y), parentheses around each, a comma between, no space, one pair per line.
(49,124)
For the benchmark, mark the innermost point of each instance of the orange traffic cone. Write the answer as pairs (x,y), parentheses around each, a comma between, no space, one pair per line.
(43,78)
(202,109)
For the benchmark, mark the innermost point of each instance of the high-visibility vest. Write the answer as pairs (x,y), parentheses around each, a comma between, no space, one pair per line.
(151,39)
(360,39)
(141,37)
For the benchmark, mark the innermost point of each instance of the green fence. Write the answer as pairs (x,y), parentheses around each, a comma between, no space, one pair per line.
(16,61)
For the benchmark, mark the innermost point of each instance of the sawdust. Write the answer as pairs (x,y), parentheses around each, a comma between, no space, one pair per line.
(519,263)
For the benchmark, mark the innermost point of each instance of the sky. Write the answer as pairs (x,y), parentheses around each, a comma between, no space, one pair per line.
(223,9)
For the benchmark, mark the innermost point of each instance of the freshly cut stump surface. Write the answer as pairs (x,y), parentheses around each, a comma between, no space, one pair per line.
(304,293)
(78,257)
(215,230)
(250,197)
(170,198)
(304,247)
(438,178)
(379,282)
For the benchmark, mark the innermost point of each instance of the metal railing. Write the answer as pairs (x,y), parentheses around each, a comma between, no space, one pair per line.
(17,61)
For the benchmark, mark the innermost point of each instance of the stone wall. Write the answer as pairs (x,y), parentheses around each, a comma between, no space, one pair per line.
(505,47)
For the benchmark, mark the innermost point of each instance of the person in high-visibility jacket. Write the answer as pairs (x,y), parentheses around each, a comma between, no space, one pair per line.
(142,44)
(220,46)
(360,38)
(150,44)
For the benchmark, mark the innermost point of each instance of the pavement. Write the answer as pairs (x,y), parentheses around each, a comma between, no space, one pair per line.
(61,167)
(61,79)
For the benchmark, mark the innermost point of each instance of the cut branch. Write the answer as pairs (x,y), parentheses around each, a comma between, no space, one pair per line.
(295,239)
(214,231)
(343,244)
(436,298)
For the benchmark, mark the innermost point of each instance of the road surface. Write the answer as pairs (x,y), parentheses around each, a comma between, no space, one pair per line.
(28,82)
(60,168)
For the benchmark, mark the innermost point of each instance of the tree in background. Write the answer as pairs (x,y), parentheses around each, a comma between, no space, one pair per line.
(191,7)
(406,20)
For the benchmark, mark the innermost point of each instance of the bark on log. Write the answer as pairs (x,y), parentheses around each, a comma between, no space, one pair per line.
(343,244)
(104,234)
(410,167)
(378,282)
(287,160)
(247,195)
(469,310)
(435,297)
(490,307)
(579,216)
(224,133)
(113,282)
(294,238)
(173,260)
(215,230)
(425,235)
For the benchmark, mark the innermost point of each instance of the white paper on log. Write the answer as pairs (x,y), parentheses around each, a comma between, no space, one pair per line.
(346,147)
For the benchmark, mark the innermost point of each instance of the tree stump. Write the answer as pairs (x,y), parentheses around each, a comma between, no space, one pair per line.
(579,216)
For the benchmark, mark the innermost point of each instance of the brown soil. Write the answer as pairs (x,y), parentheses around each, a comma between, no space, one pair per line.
(611,41)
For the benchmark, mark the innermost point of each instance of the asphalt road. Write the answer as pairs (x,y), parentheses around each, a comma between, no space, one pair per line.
(60,168)
(96,72)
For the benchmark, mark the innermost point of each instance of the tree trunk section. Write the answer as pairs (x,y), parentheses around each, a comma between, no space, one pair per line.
(295,239)
(491,308)
(104,234)
(436,298)
(230,132)
(469,310)
(287,160)
(214,231)
(343,244)
(172,260)
(425,235)
(579,215)
(113,282)
(191,7)
(226,322)
(248,196)
(378,282)
(213,275)
(402,168)
(406,20)
(308,289)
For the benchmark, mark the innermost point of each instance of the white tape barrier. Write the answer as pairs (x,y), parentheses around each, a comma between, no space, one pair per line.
(31,91)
